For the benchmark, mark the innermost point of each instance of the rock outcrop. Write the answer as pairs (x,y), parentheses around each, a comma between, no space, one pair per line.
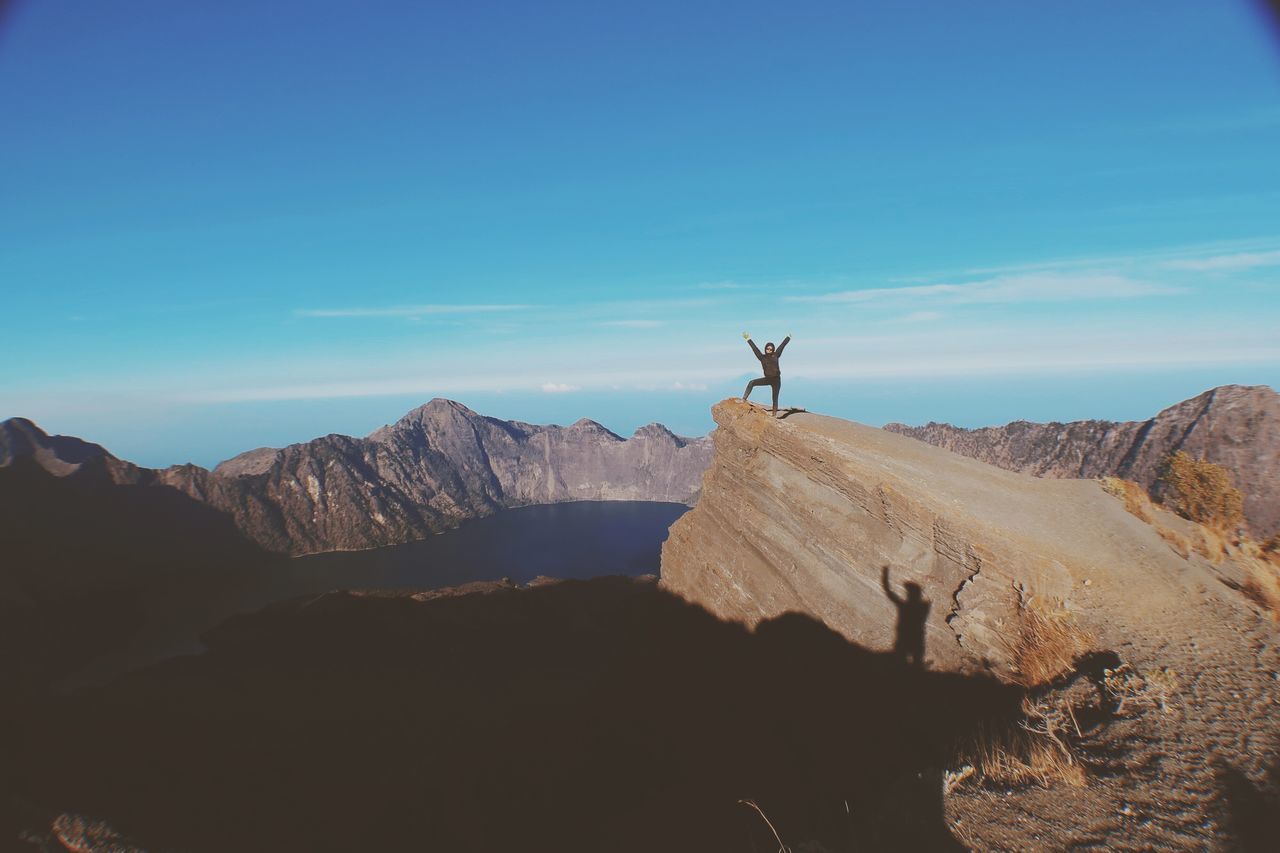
(1235,426)
(804,513)
(439,465)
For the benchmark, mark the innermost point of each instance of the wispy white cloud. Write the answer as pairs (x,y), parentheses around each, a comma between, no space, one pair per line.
(1065,357)
(633,324)
(673,376)
(955,352)
(903,331)
(1232,262)
(408,310)
(654,304)
(713,361)
(919,317)
(1147,259)
(1025,287)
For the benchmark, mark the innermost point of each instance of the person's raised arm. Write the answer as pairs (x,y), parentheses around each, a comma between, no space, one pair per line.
(752,344)
(783,345)
(884,582)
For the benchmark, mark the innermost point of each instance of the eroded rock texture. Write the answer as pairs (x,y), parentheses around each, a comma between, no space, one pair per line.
(1235,426)
(439,465)
(804,513)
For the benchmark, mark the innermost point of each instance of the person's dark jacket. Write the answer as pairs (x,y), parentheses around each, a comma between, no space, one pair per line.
(770,362)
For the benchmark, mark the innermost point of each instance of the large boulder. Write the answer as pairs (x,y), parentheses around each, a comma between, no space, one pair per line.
(805,514)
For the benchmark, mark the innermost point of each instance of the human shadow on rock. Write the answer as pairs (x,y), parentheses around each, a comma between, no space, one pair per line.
(913,614)
(582,715)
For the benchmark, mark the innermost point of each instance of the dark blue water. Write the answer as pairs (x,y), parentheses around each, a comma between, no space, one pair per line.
(569,540)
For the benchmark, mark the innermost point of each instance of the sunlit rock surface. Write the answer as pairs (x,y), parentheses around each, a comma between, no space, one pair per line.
(804,513)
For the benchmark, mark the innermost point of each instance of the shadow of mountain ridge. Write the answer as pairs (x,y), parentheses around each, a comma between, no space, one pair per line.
(580,715)
(86,564)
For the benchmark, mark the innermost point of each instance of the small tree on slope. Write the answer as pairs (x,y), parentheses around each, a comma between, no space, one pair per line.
(1201,491)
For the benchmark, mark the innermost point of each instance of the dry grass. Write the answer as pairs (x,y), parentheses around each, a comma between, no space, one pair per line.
(1041,747)
(1133,692)
(1212,543)
(1136,500)
(1205,541)
(1262,582)
(1017,758)
(1217,541)
(1176,541)
(1037,750)
(1264,590)
(1215,544)
(1139,504)
(1046,640)
(1201,491)
(953,779)
(782,848)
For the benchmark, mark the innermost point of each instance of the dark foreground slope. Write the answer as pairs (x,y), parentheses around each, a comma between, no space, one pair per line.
(88,567)
(1235,426)
(581,715)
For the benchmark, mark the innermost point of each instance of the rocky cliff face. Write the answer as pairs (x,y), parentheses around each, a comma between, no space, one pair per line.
(1235,426)
(439,465)
(804,513)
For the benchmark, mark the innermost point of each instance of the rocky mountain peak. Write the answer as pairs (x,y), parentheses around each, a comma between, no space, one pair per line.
(250,462)
(437,411)
(20,425)
(1248,400)
(22,432)
(440,406)
(58,454)
(656,431)
(588,425)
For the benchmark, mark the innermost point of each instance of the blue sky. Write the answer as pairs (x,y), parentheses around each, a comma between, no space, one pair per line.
(225,225)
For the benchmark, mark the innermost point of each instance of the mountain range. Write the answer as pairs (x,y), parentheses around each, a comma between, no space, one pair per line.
(1235,426)
(847,624)
(439,465)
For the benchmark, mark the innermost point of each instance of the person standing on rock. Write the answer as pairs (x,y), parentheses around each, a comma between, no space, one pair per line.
(769,361)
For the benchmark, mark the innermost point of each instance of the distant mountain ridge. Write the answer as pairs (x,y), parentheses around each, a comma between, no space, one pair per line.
(60,455)
(1235,426)
(439,465)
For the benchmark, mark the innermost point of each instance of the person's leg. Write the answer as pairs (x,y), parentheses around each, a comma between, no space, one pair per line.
(776,384)
(754,383)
